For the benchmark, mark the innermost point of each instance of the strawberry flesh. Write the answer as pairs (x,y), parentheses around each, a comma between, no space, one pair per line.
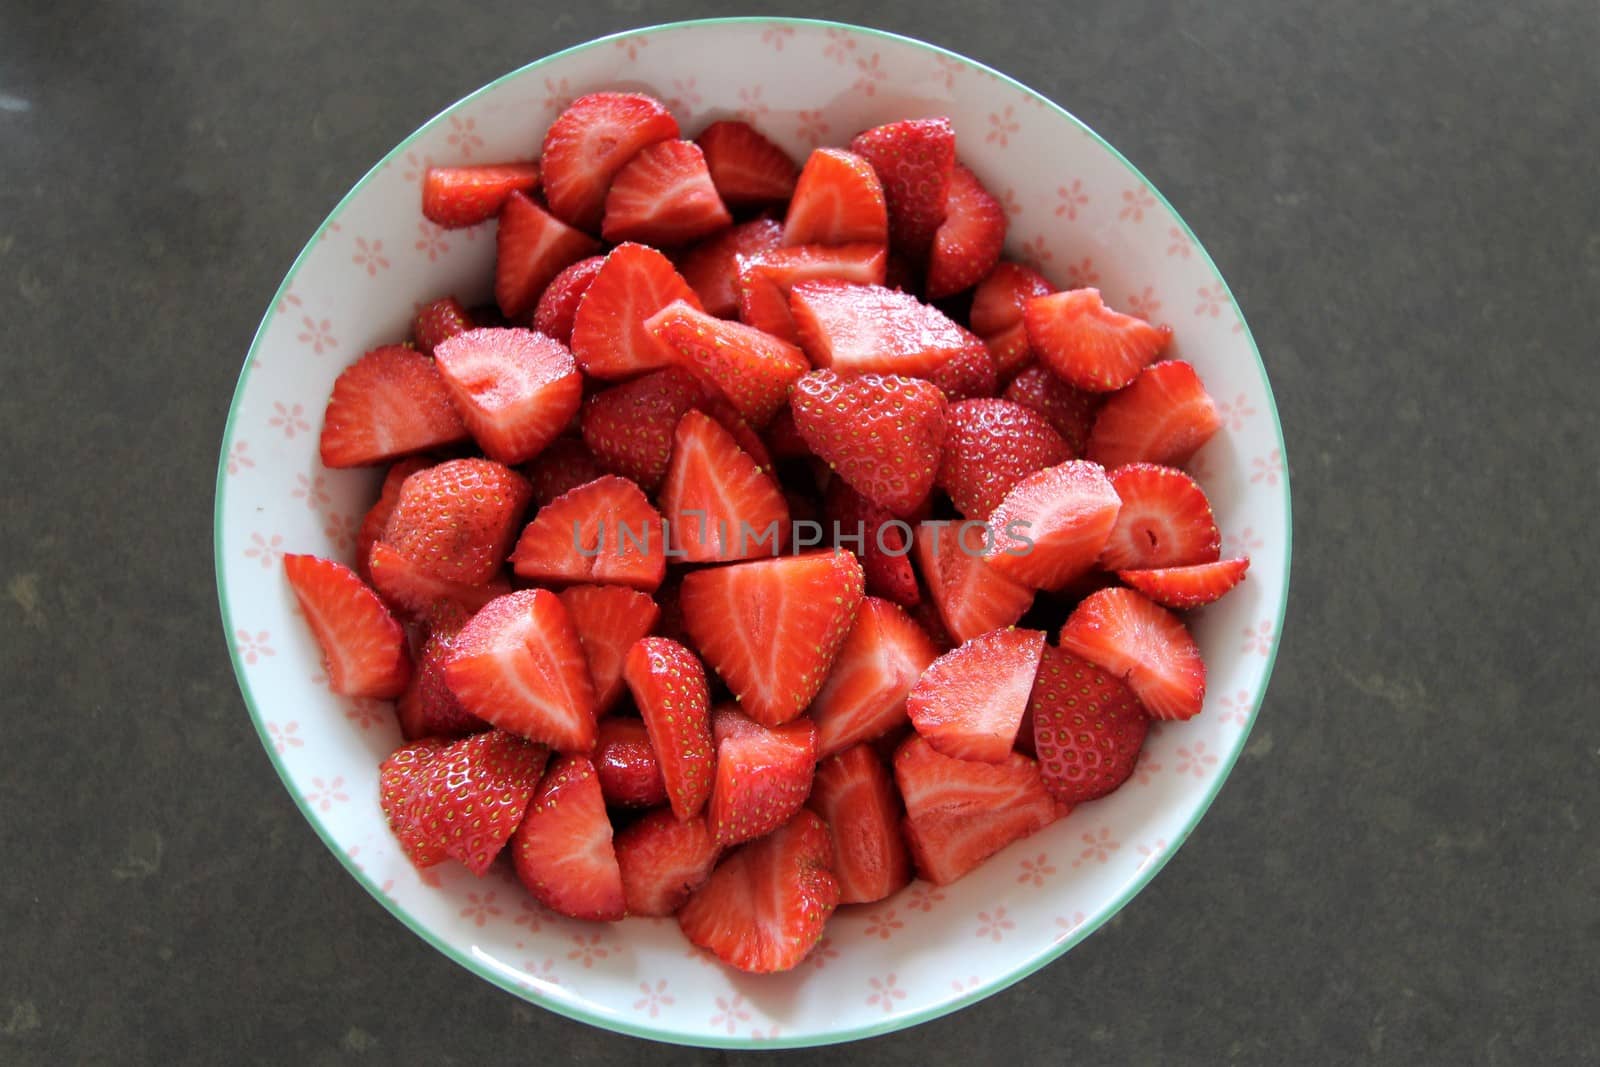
(1052,525)
(865,694)
(718,502)
(1165,521)
(969,702)
(746,167)
(968,242)
(388,403)
(1165,416)
(712,267)
(664,196)
(517,390)
(563,851)
(857,329)
(1087,344)
(1184,588)
(664,859)
(971,597)
(532,247)
(763,775)
(363,647)
(1143,644)
(855,794)
(454,197)
(838,200)
(608,620)
(603,531)
(590,142)
(609,339)
(753,370)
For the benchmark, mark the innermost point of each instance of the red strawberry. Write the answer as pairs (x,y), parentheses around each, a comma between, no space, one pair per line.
(609,339)
(961,812)
(629,426)
(744,435)
(913,159)
(991,445)
(664,859)
(864,328)
(764,907)
(855,794)
(558,304)
(1163,417)
(516,390)
(752,369)
(969,703)
(590,142)
(565,464)
(608,620)
(454,197)
(1165,521)
(563,851)
(664,196)
(438,322)
(1051,526)
(363,646)
(998,300)
(389,402)
(1088,728)
(1087,344)
(397,777)
(408,587)
(630,774)
(532,246)
(427,708)
(468,799)
(377,517)
(968,243)
(603,531)
(880,432)
(1188,587)
(783,437)
(968,374)
(925,613)
(1145,645)
(712,267)
(865,694)
(669,685)
(1071,411)
(763,775)
(771,628)
(720,505)
(972,597)
(746,167)
(766,279)
(879,540)
(456,520)
(837,200)
(519,665)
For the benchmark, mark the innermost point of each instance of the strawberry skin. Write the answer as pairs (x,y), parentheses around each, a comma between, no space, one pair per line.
(563,850)
(532,246)
(397,777)
(712,267)
(469,798)
(720,505)
(669,686)
(389,402)
(1088,728)
(855,795)
(1052,525)
(628,427)
(1145,645)
(609,339)
(664,859)
(968,242)
(664,196)
(882,433)
(865,694)
(838,200)
(1165,521)
(377,516)
(363,646)
(517,390)
(558,304)
(914,160)
(763,775)
(1163,417)
(1183,588)
(969,702)
(590,142)
(745,166)
(989,446)
(427,708)
(604,531)
(972,597)
(858,329)
(438,322)
(1087,344)
(409,588)
(456,520)
(630,774)
(968,374)
(454,197)
(565,464)
(1071,411)
(751,369)
(879,540)
(996,316)
(766,279)
(608,620)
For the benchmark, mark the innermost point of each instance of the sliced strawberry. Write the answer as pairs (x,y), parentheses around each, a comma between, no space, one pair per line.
(565,464)
(532,246)
(630,774)
(377,516)
(766,279)
(468,799)
(867,328)
(1145,645)
(603,531)
(558,304)
(1183,588)
(428,708)
(409,588)
(664,859)
(516,390)
(664,196)
(968,374)
(397,777)
(855,795)
(961,812)
(998,300)
(669,686)
(752,369)
(1165,521)
(438,322)
(880,432)
(783,437)
(590,142)
(865,694)
(764,907)
(563,851)
(519,665)
(925,613)
(1087,344)
(712,267)
(991,445)
(763,775)
(608,336)
(1071,411)
(454,197)
(1163,417)
(629,426)
(1051,526)
(1088,728)
(969,703)
(608,620)
(913,159)
(837,200)
(968,243)
(771,628)
(389,402)
(456,520)
(879,540)
(972,597)
(363,646)
(744,435)
(718,503)
(746,167)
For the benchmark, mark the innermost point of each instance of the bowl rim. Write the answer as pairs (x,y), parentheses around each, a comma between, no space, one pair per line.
(612,1022)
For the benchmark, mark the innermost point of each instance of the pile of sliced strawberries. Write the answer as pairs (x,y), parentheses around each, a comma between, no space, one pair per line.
(593,660)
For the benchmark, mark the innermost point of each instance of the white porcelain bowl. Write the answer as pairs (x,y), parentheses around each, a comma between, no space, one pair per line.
(1078,210)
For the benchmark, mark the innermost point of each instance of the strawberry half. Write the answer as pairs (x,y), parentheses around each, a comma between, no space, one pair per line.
(855,795)
(712,267)
(879,540)
(664,196)
(881,433)
(455,521)
(439,321)
(389,402)
(1165,521)
(630,774)
(1088,728)
(363,646)
(558,304)
(771,628)
(1087,344)
(865,694)
(764,906)
(1051,526)
(913,159)
(565,464)
(427,708)
(628,427)
(669,686)
(408,587)
(766,279)
(1071,411)
(397,777)
(745,166)
(469,798)
(563,851)
(1145,645)
(718,502)
(752,369)
(377,516)
(608,620)
(519,665)
(969,702)
(968,243)
(838,200)
(664,859)
(1194,586)
(763,775)
(972,597)
(516,390)
(1163,417)
(532,247)
(989,446)
(590,142)
(604,531)
(454,197)
(858,329)
(609,339)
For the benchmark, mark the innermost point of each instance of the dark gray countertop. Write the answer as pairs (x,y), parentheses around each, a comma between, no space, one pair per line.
(1404,868)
